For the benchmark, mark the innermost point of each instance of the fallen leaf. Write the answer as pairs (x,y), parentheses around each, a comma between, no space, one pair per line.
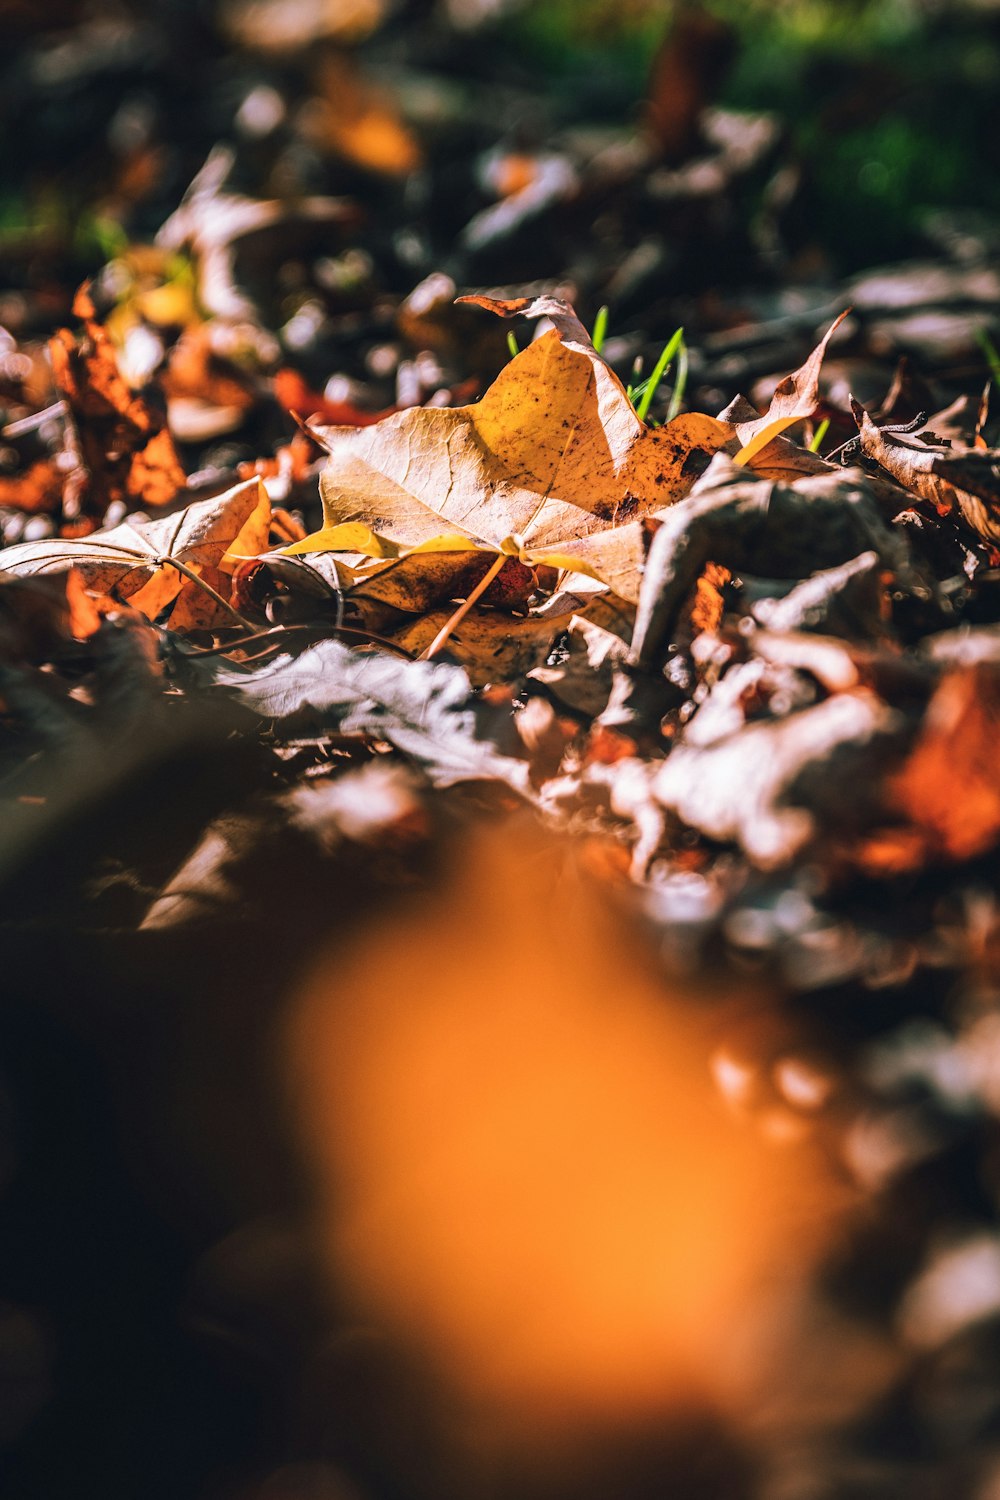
(358,120)
(427,710)
(794,399)
(746,524)
(37,488)
(549,466)
(950,785)
(293,393)
(966,482)
(213,221)
(494,648)
(133,561)
(772,785)
(126,449)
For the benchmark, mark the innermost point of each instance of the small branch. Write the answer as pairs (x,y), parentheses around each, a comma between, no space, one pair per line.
(278,632)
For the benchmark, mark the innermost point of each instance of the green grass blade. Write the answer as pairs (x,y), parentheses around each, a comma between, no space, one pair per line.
(990,350)
(819,435)
(659,370)
(680,385)
(512,345)
(600,329)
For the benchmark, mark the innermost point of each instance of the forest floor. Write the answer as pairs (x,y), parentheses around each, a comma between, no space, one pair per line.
(499,803)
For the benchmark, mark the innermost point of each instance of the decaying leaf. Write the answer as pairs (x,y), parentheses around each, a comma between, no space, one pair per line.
(754,525)
(794,399)
(949,787)
(966,482)
(549,466)
(772,784)
(213,219)
(150,563)
(357,120)
(126,449)
(427,710)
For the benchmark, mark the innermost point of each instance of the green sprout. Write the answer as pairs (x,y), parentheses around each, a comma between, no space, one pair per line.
(600,329)
(512,345)
(990,350)
(641,396)
(819,435)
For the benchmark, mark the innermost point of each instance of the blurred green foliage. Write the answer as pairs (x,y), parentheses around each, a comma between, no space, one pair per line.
(891,105)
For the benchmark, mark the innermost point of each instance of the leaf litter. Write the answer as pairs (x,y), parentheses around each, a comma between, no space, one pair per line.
(754,689)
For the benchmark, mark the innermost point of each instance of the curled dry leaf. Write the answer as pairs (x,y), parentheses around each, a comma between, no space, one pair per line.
(794,399)
(746,524)
(125,447)
(773,784)
(138,561)
(552,466)
(427,710)
(968,483)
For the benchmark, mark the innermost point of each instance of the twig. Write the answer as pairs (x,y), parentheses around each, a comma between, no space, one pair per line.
(275,634)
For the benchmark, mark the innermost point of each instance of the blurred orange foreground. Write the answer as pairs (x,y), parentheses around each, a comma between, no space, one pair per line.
(525,1178)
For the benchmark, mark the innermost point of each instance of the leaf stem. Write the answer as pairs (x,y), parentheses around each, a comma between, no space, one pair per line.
(463,609)
(196,579)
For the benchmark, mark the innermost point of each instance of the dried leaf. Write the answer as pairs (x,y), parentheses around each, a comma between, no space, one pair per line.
(771,785)
(952,481)
(427,710)
(794,398)
(548,465)
(950,785)
(358,120)
(753,525)
(37,488)
(132,561)
(126,449)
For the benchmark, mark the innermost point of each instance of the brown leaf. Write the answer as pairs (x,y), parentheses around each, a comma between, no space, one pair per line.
(37,488)
(952,481)
(774,784)
(950,785)
(551,465)
(127,453)
(133,561)
(794,399)
(358,120)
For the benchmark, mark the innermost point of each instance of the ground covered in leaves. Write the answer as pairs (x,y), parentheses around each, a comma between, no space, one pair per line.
(500,830)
